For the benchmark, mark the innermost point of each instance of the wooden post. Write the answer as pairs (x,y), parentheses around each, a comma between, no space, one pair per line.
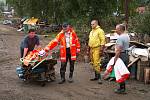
(140,69)
(146,75)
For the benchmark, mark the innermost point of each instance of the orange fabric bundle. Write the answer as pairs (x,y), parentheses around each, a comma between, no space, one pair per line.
(33,55)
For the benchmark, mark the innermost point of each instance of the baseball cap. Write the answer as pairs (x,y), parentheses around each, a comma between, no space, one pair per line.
(65,25)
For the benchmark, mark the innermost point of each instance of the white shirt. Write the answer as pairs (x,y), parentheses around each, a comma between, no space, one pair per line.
(67,36)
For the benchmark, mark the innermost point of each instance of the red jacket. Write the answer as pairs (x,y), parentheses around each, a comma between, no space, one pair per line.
(74,45)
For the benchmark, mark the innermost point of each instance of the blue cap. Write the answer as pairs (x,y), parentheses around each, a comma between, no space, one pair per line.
(65,25)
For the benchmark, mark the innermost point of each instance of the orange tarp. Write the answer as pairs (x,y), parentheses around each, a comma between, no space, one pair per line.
(31,21)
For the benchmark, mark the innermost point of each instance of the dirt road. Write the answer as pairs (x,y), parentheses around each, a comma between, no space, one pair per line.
(11,88)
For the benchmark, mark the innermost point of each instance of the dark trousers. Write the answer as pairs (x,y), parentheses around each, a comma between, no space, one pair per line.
(64,65)
(125,58)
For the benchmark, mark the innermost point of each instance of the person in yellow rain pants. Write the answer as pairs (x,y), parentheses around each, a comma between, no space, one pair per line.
(96,47)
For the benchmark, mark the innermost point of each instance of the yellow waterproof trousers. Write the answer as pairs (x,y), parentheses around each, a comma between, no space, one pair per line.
(95,58)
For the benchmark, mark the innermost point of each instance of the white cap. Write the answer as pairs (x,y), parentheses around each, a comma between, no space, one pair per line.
(42,53)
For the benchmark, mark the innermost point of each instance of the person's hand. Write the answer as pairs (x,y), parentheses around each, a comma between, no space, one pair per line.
(102,50)
(42,53)
(101,54)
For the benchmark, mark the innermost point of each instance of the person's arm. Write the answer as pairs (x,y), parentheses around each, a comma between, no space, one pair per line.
(118,49)
(25,46)
(37,45)
(53,43)
(25,52)
(117,53)
(102,49)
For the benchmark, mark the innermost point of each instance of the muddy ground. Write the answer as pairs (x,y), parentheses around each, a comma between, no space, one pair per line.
(11,88)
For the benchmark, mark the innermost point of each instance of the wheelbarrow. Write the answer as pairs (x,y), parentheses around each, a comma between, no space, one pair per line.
(41,71)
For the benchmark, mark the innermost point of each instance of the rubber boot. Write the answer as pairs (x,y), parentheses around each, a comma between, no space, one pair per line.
(95,78)
(62,74)
(122,89)
(99,79)
(70,77)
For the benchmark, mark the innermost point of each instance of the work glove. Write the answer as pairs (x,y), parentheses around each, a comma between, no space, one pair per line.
(42,53)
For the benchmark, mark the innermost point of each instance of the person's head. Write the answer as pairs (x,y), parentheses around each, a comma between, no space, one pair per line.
(70,28)
(31,33)
(120,28)
(94,24)
(65,27)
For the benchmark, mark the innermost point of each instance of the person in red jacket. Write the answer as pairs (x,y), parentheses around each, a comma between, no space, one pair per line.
(69,47)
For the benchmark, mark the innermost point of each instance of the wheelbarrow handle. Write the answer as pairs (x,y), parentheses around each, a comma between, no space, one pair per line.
(38,63)
(33,61)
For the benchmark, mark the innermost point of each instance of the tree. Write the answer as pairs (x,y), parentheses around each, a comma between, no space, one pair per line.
(77,12)
(64,9)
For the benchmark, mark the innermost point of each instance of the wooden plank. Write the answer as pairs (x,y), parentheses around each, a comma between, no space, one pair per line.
(138,44)
(135,60)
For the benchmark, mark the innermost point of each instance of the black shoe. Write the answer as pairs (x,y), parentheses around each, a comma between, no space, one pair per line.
(94,79)
(61,81)
(120,91)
